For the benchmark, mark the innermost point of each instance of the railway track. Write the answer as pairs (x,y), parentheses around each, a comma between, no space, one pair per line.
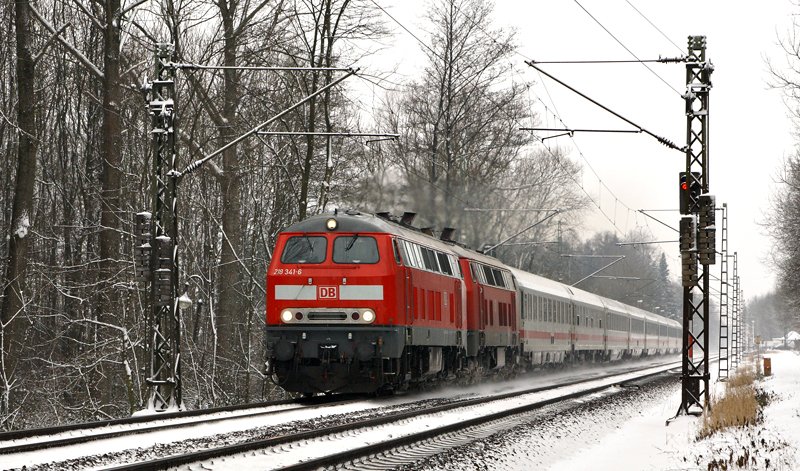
(22,441)
(354,440)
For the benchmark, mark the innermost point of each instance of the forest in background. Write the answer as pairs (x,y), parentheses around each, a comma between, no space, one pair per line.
(75,134)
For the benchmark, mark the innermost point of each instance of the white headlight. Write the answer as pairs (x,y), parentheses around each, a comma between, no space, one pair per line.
(331,224)
(286,316)
(368,316)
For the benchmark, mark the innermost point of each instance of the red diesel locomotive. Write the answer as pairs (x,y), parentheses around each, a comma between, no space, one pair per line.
(363,303)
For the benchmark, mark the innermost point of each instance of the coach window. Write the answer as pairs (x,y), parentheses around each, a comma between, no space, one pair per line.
(454,266)
(407,253)
(487,274)
(305,249)
(444,263)
(543,306)
(543,316)
(396,251)
(507,280)
(355,249)
(498,278)
(418,254)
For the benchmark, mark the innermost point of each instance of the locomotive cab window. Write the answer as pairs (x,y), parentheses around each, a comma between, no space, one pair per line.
(355,249)
(305,249)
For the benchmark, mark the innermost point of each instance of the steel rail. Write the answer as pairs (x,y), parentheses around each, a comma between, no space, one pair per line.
(228,450)
(46,444)
(350,455)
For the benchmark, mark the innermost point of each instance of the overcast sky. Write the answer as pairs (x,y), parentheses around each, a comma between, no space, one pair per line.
(750,134)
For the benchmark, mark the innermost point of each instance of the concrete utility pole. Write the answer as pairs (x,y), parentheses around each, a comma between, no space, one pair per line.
(697,232)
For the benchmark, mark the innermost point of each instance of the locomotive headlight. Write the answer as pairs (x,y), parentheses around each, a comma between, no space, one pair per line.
(331,224)
(368,316)
(287,316)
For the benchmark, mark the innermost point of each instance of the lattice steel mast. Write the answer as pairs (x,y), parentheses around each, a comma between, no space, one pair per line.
(724,324)
(735,321)
(157,234)
(697,232)
(156,251)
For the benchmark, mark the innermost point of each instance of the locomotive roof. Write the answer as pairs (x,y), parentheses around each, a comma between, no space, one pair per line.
(357,222)
(477,256)
(353,222)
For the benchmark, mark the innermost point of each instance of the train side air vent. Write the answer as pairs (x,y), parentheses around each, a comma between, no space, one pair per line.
(327,316)
(407,218)
(383,215)
(427,230)
(447,234)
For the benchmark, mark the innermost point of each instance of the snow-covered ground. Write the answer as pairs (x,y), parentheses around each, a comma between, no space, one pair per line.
(646,443)
(620,429)
(247,426)
(626,431)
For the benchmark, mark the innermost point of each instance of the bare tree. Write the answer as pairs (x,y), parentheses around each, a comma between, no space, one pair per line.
(782,223)
(14,283)
(784,215)
(460,121)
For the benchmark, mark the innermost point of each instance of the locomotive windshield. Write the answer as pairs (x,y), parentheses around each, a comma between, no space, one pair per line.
(305,249)
(355,249)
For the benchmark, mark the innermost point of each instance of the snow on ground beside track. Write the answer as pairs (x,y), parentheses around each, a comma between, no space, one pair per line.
(141,441)
(644,442)
(290,454)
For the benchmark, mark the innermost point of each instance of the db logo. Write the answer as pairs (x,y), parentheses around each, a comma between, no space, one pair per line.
(327,292)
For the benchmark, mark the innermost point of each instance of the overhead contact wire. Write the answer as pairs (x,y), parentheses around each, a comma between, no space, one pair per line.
(626,48)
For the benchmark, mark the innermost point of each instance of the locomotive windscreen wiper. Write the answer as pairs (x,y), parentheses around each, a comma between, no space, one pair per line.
(310,245)
(352,241)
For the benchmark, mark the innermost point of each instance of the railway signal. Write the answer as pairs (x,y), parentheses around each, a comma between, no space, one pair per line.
(688,251)
(689,190)
(707,231)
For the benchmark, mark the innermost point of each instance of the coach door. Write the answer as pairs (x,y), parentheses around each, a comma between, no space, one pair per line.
(409,294)
(408,290)
(572,328)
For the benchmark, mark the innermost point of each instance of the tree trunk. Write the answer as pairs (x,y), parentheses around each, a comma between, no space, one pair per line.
(110,149)
(230,312)
(22,212)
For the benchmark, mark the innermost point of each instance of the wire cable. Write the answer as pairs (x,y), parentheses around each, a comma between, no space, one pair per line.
(555,156)
(556,115)
(654,26)
(626,48)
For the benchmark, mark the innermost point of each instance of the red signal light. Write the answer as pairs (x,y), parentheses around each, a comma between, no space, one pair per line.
(684,186)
